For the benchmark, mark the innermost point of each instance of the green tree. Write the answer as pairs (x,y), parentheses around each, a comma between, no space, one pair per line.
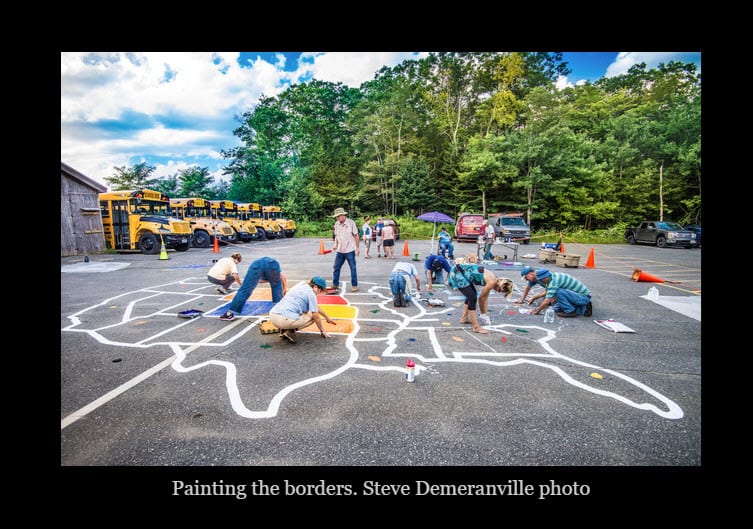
(194,181)
(126,178)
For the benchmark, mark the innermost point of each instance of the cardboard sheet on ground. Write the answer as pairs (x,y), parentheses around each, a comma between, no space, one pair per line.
(614,326)
(690,306)
(250,308)
(340,326)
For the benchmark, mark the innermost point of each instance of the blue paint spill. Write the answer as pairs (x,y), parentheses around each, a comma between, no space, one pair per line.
(251,308)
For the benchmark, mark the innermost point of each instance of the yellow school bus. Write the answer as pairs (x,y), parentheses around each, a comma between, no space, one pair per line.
(252,211)
(256,228)
(275,214)
(198,213)
(141,220)
(227,210)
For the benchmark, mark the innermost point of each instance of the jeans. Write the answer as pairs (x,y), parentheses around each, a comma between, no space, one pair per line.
(263,268)
(398,284)
(445,248)
(488,255)
(569,300)
(340,258)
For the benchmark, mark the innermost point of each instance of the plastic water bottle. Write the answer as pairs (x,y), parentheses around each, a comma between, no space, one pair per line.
(549,315)
(410,376)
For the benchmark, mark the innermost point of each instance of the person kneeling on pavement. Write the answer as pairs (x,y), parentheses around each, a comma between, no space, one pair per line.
(568,296)
(225,272)
(436,266)
(400,281)
(299,309)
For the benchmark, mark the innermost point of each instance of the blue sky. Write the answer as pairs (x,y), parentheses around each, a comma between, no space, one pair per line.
(174,110)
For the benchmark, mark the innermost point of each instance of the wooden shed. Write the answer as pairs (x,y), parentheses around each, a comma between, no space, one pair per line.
(80,218)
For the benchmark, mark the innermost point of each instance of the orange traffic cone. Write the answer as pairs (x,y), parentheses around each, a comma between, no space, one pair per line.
(216,245)
(406,252)
(590,260)
(640,275)
(562,249)
(321,247)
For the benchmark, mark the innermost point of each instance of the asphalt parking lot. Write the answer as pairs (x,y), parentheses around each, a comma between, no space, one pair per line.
(142,387)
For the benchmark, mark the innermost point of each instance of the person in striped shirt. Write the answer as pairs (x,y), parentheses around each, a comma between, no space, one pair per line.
(568,296)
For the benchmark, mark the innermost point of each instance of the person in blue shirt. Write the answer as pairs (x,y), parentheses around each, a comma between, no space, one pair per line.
(299,309)
(446,248)
(378,227)
(436,266)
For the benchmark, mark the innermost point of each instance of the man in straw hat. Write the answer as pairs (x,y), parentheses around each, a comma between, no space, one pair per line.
(346,248)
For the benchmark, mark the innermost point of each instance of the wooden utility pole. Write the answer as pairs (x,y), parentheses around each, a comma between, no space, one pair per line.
(661,191)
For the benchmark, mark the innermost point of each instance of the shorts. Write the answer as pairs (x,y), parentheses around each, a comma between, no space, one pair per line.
(389,242)
(471,296)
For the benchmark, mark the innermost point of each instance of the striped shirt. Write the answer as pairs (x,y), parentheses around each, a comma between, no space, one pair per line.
(565,282)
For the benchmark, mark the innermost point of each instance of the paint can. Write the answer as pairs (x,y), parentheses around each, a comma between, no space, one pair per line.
(410,376)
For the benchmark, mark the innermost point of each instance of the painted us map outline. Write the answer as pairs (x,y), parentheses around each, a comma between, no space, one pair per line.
(418,322)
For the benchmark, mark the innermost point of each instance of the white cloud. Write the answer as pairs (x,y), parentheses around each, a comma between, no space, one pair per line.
(351,68)
(625,60)
(563,82)
(117,109)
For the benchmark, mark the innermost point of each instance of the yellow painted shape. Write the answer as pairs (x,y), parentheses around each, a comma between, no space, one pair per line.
(374,358)
(340,326)
(339,311)
(596,375)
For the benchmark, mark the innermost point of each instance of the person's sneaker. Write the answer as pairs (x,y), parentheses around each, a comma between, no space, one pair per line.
(572,314)
(222,290)
(484,319)
(288,334)
(379,255)
(589,309)
(354,289)
(228,316)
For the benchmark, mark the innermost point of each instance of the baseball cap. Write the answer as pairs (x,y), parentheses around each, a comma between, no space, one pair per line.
(525,270)
(542,273)
(319,281)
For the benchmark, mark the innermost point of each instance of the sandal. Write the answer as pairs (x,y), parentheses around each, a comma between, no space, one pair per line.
(481,330)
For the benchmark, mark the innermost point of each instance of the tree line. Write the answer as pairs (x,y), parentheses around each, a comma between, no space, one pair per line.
(478,132)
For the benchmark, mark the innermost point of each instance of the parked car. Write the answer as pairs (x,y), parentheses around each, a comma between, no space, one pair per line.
(511,227)
(661,234)
(695,228)
(469,226)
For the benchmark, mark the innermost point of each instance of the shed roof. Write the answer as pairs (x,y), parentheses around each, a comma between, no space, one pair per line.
(72,173)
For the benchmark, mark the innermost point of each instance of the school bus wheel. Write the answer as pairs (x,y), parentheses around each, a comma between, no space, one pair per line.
(201,239)
(148,244)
